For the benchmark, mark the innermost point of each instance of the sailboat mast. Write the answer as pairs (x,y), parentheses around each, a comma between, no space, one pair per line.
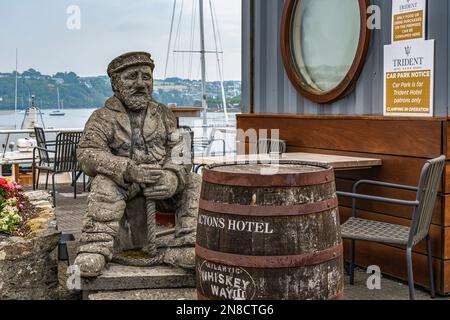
(203,62)
(222,89)
(170,38)
(15,94)
(57,94)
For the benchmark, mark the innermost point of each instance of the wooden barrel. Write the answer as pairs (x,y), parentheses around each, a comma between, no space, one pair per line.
(269,236)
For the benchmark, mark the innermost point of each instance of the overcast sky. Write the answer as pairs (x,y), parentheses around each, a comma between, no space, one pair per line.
(111,27)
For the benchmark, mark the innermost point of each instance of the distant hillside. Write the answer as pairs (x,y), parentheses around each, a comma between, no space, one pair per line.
(91,92)
(75,92)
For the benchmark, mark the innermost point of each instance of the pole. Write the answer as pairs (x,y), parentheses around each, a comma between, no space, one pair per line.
(170,38)
(203,65)
(57,94)
(222,89)
(15,94)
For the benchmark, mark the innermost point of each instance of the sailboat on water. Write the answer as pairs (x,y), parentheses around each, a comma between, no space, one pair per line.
(58,112)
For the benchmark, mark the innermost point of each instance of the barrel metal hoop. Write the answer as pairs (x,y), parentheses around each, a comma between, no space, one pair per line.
(338,296)
(271,262)
(268,211)
(276,180)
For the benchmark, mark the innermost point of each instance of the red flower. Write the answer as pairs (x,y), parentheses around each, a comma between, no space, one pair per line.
(4,184)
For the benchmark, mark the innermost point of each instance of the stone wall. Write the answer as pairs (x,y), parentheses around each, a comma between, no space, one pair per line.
(29,265)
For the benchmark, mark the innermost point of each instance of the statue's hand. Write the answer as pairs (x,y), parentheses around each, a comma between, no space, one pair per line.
(143,174)
(165,187)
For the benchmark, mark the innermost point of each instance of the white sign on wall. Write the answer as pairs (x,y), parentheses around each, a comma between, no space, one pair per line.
(408,20)
(409,78)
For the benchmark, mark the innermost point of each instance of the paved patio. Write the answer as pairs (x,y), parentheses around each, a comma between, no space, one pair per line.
(70,211)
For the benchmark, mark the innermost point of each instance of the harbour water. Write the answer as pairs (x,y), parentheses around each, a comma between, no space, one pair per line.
(76,118)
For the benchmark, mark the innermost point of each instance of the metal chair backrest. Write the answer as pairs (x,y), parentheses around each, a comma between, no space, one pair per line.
(41,143)
(266,146)
(430,178)
(185,128)
(65,151)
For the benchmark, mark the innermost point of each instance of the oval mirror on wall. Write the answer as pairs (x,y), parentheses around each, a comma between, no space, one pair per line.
(324,44)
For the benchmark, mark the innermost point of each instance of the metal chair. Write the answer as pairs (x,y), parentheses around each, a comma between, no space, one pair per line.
(64,159)
(271,146)
(205,144)
(40,137)
(44,157)
(368,230)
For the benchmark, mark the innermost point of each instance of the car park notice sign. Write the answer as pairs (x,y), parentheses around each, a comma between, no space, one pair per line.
(408,20)
(408,78)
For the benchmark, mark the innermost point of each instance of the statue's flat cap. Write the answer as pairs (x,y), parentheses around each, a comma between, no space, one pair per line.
(128,60)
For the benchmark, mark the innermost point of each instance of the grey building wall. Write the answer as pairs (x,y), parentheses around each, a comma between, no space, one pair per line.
(273,92)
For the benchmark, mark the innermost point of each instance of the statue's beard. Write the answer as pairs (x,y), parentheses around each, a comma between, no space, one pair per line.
(133,100)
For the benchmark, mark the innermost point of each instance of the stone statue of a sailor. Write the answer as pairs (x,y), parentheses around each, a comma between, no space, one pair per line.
(128,146)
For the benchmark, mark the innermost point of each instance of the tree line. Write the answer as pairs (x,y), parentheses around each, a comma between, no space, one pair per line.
(91,92)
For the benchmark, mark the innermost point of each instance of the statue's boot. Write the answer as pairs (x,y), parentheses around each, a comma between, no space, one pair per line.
(90,264)
(187,211)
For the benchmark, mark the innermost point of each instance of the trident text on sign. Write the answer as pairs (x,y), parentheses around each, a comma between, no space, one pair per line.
(408,78)
(408,20)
